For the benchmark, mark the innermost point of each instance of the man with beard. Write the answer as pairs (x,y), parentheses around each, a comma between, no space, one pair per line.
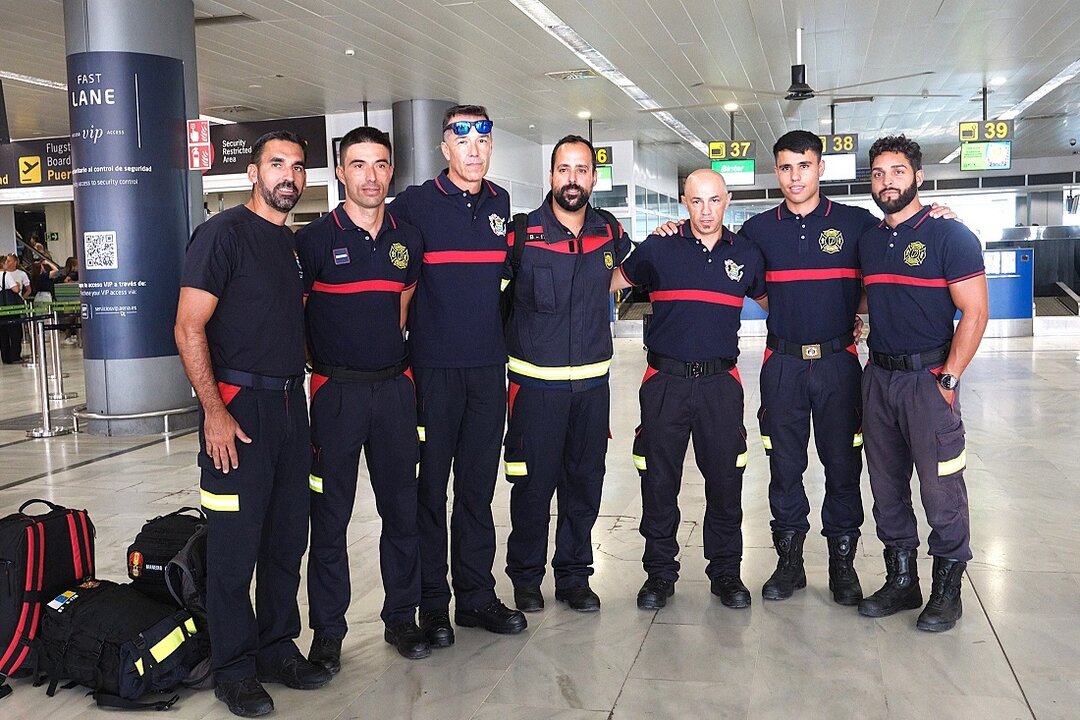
(360,268)
(458,354)
(697,283)
(918,272)
(240,332)
(559,345)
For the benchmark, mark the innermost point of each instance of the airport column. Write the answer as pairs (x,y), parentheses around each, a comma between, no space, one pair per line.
(131,86)
(417,157)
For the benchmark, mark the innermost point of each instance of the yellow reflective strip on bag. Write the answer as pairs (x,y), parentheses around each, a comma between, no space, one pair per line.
(421,432)
(503,285)
(315,483)
(221,503)
(857,441)
(639,462)
(516,469)
(742,459)
(955,465)
(417,469)
(766,440)
(166,646)
(564,372)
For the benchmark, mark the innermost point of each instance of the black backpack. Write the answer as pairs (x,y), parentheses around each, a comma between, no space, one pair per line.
(185,576)
(156,544)
(118,642)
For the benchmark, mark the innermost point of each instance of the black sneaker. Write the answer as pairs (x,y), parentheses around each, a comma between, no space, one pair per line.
(654,593)
(731,591)
(296,672)
(437,628)
(409,640)
(246,698)
(326,651)
(493,617)
(529,599)
(581,599)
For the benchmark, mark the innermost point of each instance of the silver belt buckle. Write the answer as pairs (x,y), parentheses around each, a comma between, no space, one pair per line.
(811,352)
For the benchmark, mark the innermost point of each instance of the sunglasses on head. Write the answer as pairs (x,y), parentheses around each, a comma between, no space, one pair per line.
(462,127)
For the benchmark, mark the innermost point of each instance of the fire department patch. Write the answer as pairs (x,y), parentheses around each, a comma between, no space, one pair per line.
(733,269)
(914,254)
(135,564)
(609,260)
(399,255)
(498,224)
(831,241)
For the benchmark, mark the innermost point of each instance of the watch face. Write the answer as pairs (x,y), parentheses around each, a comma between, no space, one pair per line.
(947,381)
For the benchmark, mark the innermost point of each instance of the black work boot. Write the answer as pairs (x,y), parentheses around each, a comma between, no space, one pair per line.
(901,589)
(789,575)
(843,580)
(944,607)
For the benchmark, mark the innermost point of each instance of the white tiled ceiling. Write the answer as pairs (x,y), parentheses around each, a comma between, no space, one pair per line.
(488,52)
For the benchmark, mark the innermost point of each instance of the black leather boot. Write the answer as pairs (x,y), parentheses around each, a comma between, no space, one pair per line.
(944,607)
(843,580)
(789,575)
(901,589)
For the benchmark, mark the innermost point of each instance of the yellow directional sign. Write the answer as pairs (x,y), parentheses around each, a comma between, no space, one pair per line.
(29,170)
(845,143)
(983,130)
(724,149)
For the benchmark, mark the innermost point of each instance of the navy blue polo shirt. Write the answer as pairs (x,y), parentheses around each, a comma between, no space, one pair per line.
(811,268)
(559,335)
(907,271)
(249,264)
(454,321)
(697,294)
(353,284)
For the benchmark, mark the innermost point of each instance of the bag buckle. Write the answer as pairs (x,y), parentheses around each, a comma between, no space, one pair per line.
(811,352)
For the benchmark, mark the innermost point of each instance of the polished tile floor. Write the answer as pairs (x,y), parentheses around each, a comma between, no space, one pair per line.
(1015,653)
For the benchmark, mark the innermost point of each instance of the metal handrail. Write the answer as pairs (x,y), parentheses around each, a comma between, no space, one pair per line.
(81,413)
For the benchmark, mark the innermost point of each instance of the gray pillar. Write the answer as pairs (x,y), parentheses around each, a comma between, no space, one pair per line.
(417,134)
(132,83)
(7,229)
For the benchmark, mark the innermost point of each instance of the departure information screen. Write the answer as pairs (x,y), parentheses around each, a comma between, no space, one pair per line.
(995,155)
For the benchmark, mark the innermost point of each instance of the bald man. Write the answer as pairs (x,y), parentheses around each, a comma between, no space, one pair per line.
(697,282)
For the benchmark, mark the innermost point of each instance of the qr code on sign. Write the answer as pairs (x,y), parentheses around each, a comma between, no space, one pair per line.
(99,250)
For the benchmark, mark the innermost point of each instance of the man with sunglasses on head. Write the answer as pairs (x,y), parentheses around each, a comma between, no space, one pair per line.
(458,356)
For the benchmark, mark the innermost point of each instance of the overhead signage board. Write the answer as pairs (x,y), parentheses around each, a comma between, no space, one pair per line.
(35,163)
(839,144)
(986,155)
(603,178)
(735,172)
(839,167)
(231,144)
(730,149)
(603,155)
(986,130)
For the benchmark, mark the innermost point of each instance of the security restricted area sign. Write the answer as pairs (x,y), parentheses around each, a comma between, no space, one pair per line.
(200,151)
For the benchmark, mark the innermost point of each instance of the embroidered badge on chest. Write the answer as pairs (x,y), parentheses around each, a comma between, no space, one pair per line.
(609,260)
(341,256)
(733,269)
(399,256)
(914,254)
(831,241)
(498,224)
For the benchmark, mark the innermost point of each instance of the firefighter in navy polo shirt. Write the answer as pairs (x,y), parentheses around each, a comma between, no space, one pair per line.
(459,356)
(697,281)
(240,332)
(918,272)
(559,344)
(360,269)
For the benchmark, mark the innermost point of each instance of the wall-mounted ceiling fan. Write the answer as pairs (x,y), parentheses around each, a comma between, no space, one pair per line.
(800,90)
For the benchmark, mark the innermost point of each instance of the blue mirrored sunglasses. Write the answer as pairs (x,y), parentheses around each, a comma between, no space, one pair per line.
(462,127)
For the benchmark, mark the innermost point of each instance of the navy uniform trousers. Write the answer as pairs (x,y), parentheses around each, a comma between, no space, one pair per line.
(556,441)
(257,523)
(378,417)
(793,391)
(908,422)
(674,410)
(461,413)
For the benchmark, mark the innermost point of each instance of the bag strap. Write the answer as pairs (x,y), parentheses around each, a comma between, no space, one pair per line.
(181,511)
(108,700)
(28,503)
(5,689)
(521,230)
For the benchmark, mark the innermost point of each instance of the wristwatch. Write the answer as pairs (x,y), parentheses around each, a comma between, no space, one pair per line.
(947,381)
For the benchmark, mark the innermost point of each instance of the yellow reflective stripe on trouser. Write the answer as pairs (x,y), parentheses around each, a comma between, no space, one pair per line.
(857,441)
(505,282)
(314,482)
(766,440)
(948,467)
(221,503)
(565,372)
(639,462)
(742,459)
(421,432)
(515,469)
(167,645)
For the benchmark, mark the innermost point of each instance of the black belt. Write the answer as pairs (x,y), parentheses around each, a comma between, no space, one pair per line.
(918,361)
(354,376)
(258,382)
(813,351)
(670,366)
